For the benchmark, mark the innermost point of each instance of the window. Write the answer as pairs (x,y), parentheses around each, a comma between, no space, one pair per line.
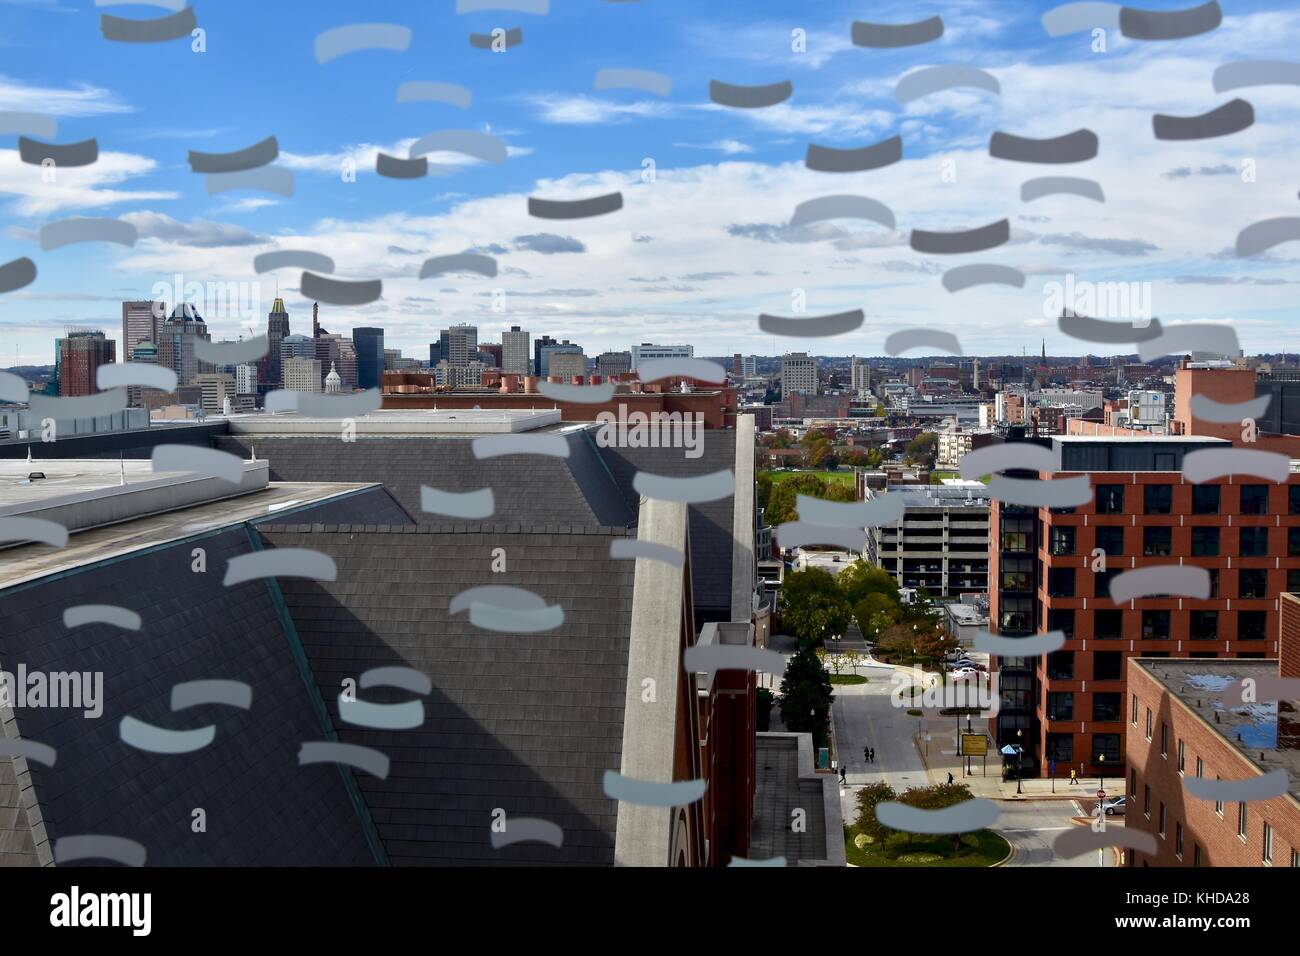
(1252,625)
(1254,499)
(1061,541)
(1060,747)
(1165,461)
(1060,705)
(1016,574)
(1205,542)
(1254,542)
(1157,541)
(1017,532)
(1146,802)
(1155,625)
(1293,499)
(1200,767)
(1164,739)
(1162,820)
(1295,857)
(1204,625)
(1182,756)
(1178,840)
(1106,745)
(1101,582)
(1016,615)
(1293,579)
(1060,665)
(1108,665)
(1268,845)
(1157,499)
(1293,542)
(1218,804)
(1252,583)
(1106,707)
(1196,854)
(1133,711)
(1061,620)
(1060,582)
(1107,625)
(1110,538)
(1214,582)
(1133,778)
(1110,500)
(1205,499)
(1148,723)
(1241,820)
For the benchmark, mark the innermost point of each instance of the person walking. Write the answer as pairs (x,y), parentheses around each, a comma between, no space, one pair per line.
(873,754)
(866,753)
(950,778)
(1074,777)
(844,774)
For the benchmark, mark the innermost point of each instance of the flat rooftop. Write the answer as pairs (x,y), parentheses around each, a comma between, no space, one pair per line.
(69,477)
(30,561)
(409,422)
(1252,728)
(1120,439)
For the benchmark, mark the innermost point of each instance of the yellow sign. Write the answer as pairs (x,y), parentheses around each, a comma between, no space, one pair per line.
(974,745)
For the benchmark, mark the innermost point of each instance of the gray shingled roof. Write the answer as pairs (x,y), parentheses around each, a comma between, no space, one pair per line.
(527,723)
(262,808)
(778,792)
(528,488)
(368,506)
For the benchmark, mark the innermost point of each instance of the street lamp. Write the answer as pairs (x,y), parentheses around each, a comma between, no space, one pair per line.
(1020,755)
(1101,760)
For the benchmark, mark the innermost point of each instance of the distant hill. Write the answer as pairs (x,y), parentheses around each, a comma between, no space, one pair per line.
(31,372)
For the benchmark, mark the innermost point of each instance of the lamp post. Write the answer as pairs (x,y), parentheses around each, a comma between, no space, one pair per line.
(1020,753)
(1101,760)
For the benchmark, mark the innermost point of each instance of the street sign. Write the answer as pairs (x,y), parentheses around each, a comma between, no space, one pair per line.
(973,745)
(1101,794)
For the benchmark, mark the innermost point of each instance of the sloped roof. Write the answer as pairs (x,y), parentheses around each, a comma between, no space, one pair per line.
(524,723)
(262,808)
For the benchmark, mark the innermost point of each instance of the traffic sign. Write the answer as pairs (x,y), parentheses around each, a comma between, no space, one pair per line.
(1101,794)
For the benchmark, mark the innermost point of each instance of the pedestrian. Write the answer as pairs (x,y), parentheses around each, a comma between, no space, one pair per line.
(950,778)
(844,773)
(873,754)
(1074,777)
(866,753)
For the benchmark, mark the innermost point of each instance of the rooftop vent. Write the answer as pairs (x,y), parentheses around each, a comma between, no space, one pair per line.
(35,475)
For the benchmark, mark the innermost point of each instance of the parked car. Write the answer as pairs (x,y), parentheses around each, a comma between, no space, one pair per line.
(1115,806)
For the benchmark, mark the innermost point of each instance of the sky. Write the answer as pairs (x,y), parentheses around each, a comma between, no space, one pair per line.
(703,244)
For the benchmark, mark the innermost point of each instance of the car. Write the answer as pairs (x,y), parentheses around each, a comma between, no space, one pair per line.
(963,664)
(966,673)
(1114,806)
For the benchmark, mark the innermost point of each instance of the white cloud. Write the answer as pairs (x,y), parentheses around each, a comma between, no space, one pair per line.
(80,100)
(586,110)
(732,147)
(77,187)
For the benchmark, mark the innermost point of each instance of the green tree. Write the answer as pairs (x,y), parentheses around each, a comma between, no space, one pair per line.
(861,578)
(876,613)
(940,796)
(764,486)
(806,695)
(814,608)
(782,439)
(922,449)
(781,503)
(869,797)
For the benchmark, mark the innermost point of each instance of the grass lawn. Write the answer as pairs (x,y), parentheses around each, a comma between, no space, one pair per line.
(842,477)
(983,848)
(848,679)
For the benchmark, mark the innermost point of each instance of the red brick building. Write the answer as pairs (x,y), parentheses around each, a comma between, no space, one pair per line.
(1178,729)
(81,353)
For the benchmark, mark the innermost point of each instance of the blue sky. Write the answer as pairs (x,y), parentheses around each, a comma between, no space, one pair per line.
(694,255)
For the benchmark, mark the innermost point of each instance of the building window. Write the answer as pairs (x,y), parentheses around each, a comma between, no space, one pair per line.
(1293,542)
(1204,625)
(1293,579)
(1061,620)
(1205,542)
(1293,499)
(1200,767)
(1015,615)
(1214,583)
(1133,709)
(1060,582)
(1060,705)
(1196,854)
(1017,532)
(1241,821)
(1016,573)
(1157,499)
(1254,542)
(1182,756)
(1218,804)
(1060,665)
(1157,541)
(1155,625)
(1161,820)
(1146,801)
(1108,665)
(1164,739)
(1268,845)
(1149,723)
(1101,582)
(1060,747)
(1110,500)
(1254,499)
(1107,625)
(1106,707)
(1110,538)
(1105,745)
(1061,540)
(1133,779)
(1178,840)
(1252,625)
(1252,583)
(1205,499)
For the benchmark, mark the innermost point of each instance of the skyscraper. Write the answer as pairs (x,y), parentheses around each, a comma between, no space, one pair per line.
(369,343)
(140,321)
(81,353)
(539,343)
(176,341)
(613,363)
(798,374)
(556,348)
(277,327)
(514,351)
(648,352)
(459,344)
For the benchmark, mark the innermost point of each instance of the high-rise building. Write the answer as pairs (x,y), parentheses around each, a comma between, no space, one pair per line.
(215,387)
(647,352)
(246,379)
(749,366)
(297,346)
(861,377)
(176,338)
(609,364)
(540,343)
(338,350)
(144,352)
(81,353)
(514,351)
(737,366)
(798,374)
(567,364)
(140,322)
(459,344)
(277,328)
(369,344)
(1045,575)
(302,375)
(942,542)
(490,354)
(555,349)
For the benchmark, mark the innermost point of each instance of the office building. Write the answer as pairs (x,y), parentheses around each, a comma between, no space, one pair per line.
(302,375)
(860,374)
(557,348)
(81,352)
(1244,531)
(609,364)
(246,379)
(176,338)
(459,344)
(798,374)
(749,366)
(646,352)
(216,388)
(539,343)
(338,351)
(277,329)
(567,365)
(140,322)
(942,542)
(369,345)
(514,352)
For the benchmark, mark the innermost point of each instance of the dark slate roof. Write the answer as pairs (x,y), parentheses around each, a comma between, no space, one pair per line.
(711,531)
(527,488)
(17,845)
(368,506)
(527,723)
(262,808)
(779,791)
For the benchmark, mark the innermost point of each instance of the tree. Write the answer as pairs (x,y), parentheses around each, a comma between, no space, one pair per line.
(860,579)
(782,439)
(940,796)
(764,487)
(852,659)
(875,613)
(854,458)
(811,614)
(922,449)
(806,695)
(869,797)
(781,503)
